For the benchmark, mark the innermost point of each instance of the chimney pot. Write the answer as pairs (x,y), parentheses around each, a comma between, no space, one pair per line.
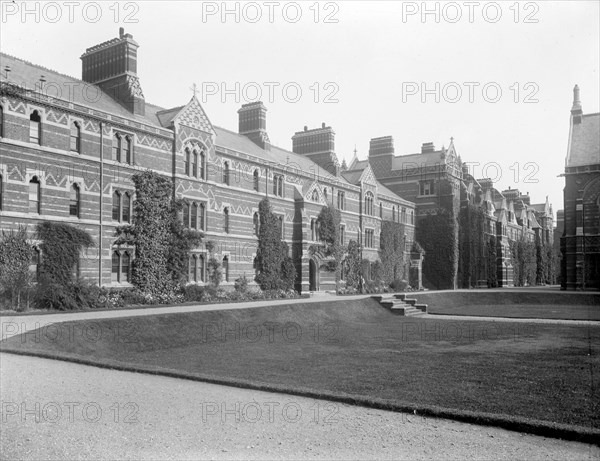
(121,32)
(305,128)
(323,125)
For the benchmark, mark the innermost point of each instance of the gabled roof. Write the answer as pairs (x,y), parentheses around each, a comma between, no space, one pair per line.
(355,175)
(584,142)
(27,75)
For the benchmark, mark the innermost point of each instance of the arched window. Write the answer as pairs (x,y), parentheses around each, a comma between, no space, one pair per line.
(126,207)
(202,165)
(226,220)
(281,227)
(35,128)
(128,149)
(256,223)
(256,180)
(255,265)
(116,266)
(34,195)
(341,200)
(394,213)
(315,196)
(313,230)
(1,190)
(125,268)
(380,210)
(193,269)
(342,234)
(403,219)
(202,267)
(325,193)
(74,201)
(116,206)
(34,263)
(75,137)
(186,215)
(202,216)
(369,204)
(226,173)
(187,162)
(1,122)
(194,222)
(195,164)
(226,268)
(116,147)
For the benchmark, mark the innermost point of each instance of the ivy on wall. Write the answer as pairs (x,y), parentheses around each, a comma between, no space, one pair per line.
(353,265)
(492,261)
(162,244)
(436,234)
(275,269)
(477,254)
(391,253)
(523,258)
(15,257)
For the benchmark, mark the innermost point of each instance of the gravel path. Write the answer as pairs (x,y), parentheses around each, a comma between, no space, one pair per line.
(91,413)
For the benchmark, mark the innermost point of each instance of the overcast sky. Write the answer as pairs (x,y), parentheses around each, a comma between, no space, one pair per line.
(502,73)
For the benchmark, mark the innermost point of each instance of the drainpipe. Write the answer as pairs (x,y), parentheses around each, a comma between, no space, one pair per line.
(101,203)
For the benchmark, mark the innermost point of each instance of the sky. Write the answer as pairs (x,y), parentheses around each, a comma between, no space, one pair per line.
(495,76)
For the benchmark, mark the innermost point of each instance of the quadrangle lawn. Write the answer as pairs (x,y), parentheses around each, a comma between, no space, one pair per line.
(538,371)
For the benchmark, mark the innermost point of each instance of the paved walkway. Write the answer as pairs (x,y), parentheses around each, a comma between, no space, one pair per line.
(59,410)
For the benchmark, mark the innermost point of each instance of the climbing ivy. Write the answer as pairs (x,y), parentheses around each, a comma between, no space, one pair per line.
(15,256)
(391,253)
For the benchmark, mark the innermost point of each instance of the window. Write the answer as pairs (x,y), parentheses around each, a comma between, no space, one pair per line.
(369,238)
(226,220)
(256,180)
(394,213)
(1,121)
(226,173)
(202,215)
(194,221)
(34,195)
(226,268)
(116,206)
(202,267)
(74,201)
(369,204)
(341,200)
(125,268)
(412,217)
(1,190)
(35,127)
(325,193)
(315,196)
(256,222)
(75,137)
(121,267)
(193,269)
(381,243)
(186,215)
(195,164)
(187,162)
(427,187)
(128,150)
(281,227)
(34,264)
(342,234)
(116,149)
(403,218)
(115,271)
(126,208)
(202,166)
(278,185)
(380,210)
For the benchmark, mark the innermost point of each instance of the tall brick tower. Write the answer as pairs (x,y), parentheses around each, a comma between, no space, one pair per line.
(112,66)
(253,123)
(318,144)
(381,154)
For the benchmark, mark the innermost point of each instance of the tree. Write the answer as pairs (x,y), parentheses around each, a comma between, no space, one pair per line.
(329,221)
(353,265)
(275,269)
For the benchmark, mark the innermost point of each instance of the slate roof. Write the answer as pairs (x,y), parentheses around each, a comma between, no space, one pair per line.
(408,161)
(584,148)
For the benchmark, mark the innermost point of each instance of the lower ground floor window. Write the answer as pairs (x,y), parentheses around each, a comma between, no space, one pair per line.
(121,267)
(196,268)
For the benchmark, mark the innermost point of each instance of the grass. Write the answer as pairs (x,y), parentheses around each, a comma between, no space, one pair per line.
(355,347)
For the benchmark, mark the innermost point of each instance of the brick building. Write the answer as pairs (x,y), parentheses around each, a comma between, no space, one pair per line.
(69,148)
(580,241)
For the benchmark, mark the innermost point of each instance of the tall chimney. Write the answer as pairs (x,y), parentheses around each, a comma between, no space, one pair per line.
(427,147)
(112,66)
(381,155)
(318,144)
(576,111)
(253,123)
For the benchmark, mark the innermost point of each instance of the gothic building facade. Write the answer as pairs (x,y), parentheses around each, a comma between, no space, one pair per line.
(580,241)
(69,148)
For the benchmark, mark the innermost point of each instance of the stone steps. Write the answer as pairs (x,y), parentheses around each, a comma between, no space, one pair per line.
(400,305)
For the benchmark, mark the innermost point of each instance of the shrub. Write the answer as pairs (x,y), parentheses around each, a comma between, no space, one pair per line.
(215,272)
(241,284)
(399,285)
(193,293)
(15,278)
(77,295)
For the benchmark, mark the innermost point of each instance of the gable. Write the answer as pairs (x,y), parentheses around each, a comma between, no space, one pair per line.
(193,116)
(368,177)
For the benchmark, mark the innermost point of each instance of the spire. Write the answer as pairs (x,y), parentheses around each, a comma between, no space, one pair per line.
(344,165)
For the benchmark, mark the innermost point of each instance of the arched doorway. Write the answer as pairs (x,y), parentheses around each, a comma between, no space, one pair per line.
(313,274)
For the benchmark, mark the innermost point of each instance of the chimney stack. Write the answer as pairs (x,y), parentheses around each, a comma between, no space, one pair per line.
(427,147)
(576,111)
(253,123)
(112,66)
(318,144)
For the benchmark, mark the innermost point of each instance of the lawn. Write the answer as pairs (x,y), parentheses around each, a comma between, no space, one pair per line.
(535,371)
